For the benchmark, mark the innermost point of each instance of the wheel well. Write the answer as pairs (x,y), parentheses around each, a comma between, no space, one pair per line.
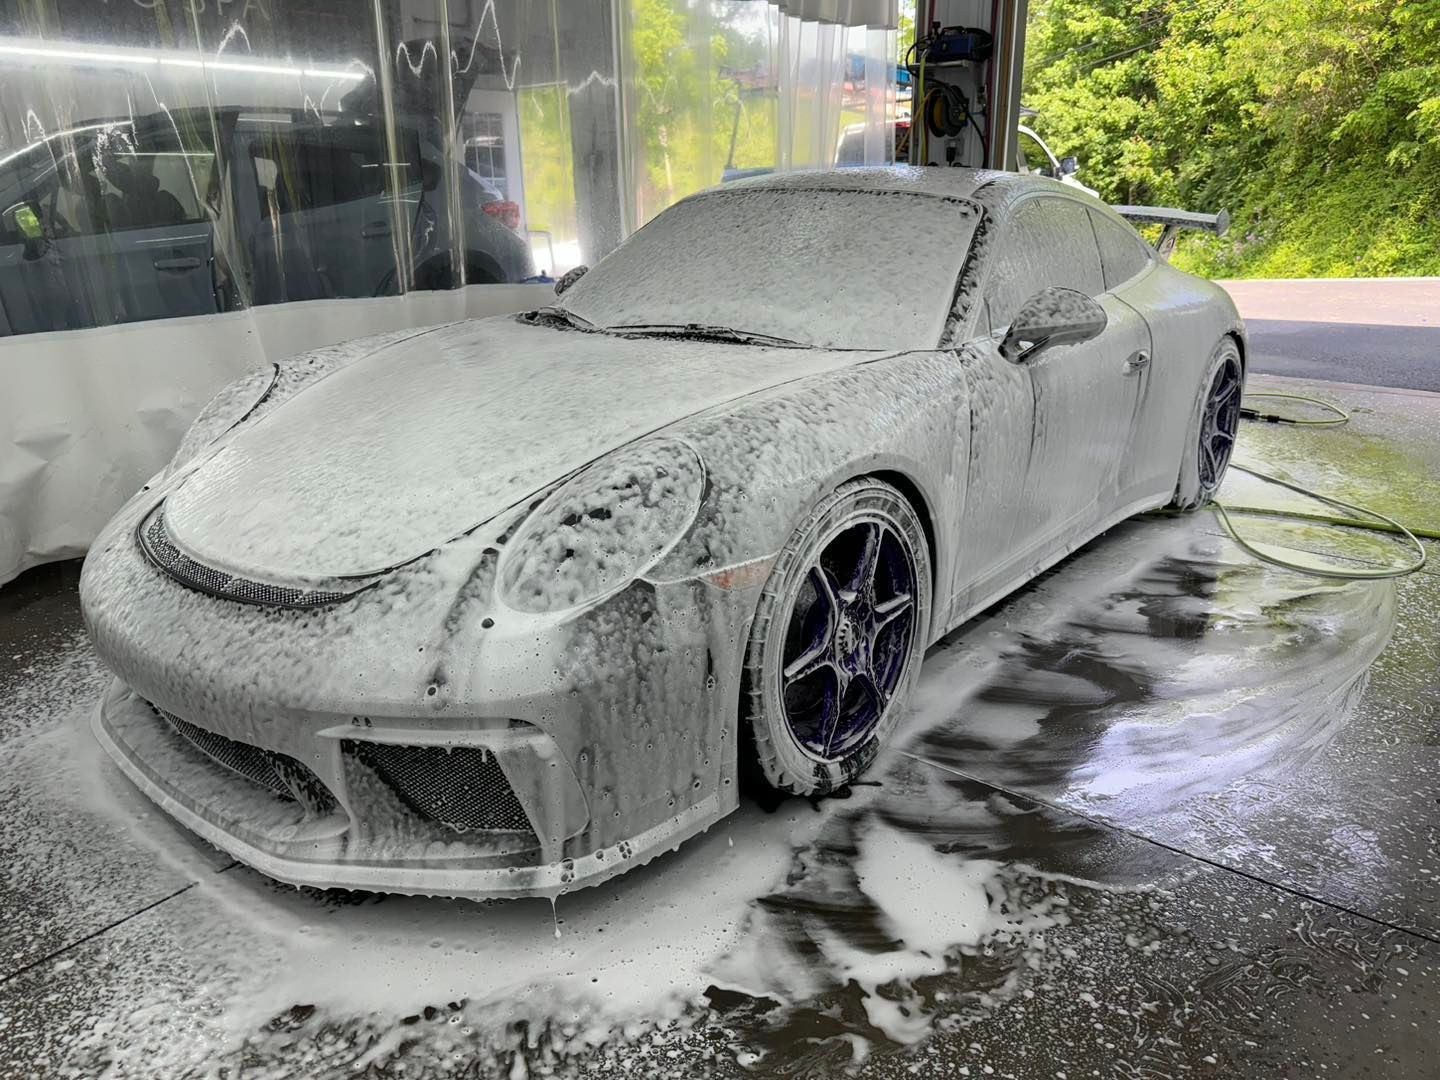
(479,269)
(1239,340)
(488,268)
(913,495)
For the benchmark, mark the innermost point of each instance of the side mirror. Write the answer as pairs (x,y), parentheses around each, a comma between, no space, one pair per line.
(569,278)
(1053,316)
(1069,166)
(22,222)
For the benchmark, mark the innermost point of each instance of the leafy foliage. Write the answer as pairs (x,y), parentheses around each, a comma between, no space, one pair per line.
(1315,122)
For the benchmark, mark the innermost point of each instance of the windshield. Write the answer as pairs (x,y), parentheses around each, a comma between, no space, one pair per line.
(836,269)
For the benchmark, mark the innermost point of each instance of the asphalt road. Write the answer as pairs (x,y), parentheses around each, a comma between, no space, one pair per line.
(1379,332)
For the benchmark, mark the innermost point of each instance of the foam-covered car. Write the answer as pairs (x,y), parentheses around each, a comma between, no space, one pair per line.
(507,606)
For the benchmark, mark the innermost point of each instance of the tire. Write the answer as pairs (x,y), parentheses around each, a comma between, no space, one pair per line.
(1214,423)
(862,640)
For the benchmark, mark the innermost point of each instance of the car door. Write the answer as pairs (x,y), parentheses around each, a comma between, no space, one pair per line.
(1001,421)
(158,245)
(34,291)
(1085,395)
(1147,469)
(326,222)
(117,232)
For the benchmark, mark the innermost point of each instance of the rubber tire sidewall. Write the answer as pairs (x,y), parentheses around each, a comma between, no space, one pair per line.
(784,764)
(1188,493)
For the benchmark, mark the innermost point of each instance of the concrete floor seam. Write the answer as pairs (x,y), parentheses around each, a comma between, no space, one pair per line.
(1112,827)
(94,934)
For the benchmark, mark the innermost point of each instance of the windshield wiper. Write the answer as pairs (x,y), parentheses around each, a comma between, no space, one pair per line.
(704,330)
(552,316)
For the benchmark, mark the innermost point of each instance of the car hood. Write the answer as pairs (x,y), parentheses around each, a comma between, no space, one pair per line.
(435,434)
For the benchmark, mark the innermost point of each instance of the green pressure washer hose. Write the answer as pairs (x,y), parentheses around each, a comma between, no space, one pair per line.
(1381,523)
(1340,415)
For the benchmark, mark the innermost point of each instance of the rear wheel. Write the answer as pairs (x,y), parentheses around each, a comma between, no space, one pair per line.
(1214,427)
(837,639)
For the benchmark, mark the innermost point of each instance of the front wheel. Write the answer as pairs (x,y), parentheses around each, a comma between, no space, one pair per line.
(838,637)
(1214,426)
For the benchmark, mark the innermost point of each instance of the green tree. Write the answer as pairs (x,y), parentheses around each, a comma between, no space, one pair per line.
(1315,122)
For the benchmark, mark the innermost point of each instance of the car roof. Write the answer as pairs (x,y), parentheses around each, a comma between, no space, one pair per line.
(955,183)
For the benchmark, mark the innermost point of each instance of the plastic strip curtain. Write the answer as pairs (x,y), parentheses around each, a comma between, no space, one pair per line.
(717,90)
(189,190)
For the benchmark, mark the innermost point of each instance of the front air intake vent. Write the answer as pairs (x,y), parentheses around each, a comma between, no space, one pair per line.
(280,773)
(161,551)
(461,787)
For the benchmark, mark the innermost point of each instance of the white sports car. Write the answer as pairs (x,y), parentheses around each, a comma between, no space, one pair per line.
(506,606)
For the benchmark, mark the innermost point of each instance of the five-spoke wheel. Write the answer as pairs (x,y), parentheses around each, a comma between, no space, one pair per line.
(838,636)
(1220,423)
(1216,426)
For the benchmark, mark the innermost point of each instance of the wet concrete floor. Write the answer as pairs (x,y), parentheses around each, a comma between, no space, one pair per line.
(1166,812)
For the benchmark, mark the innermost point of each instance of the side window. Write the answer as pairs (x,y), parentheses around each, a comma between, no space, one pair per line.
(1121,254)
(49,187)
(485,150)
(1049,242)
(132,180)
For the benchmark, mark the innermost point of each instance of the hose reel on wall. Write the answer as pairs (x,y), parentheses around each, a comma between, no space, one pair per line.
(945,111)
(947,55)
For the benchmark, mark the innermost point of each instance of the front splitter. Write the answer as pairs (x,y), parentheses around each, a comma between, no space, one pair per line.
(540,880)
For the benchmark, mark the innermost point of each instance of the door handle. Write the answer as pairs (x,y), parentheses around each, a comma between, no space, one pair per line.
(188,262)
(1138,360)
(374,229)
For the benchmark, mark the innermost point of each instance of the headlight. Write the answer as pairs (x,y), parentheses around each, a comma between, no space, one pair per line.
(602,528)
(224,411)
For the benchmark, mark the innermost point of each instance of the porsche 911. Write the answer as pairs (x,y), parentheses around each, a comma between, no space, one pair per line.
(507,606)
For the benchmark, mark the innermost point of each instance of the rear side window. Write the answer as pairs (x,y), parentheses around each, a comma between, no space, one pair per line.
(1049,242)
(1121,253)
(314,169)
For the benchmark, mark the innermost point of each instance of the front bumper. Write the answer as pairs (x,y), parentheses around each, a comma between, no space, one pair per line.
(612,728)
(285,840)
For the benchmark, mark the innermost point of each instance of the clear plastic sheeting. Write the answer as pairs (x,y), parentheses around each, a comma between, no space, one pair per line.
(190,190)
(719,90)
(158,163)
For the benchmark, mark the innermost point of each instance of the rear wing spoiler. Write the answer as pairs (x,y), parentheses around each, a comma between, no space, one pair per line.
(1174,221)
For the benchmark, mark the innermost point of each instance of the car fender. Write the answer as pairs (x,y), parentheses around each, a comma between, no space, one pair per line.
(771,457)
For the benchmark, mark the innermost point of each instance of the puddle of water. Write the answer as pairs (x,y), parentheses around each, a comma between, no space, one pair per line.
(1199,669)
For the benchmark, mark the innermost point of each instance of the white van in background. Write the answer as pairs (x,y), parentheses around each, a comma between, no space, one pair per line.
(1033,156)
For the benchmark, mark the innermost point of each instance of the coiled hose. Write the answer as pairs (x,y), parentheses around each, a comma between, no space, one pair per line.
(1355,514)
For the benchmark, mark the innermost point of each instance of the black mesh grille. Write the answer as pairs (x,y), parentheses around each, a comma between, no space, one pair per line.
(156,544)
(280,773)
(461,787)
